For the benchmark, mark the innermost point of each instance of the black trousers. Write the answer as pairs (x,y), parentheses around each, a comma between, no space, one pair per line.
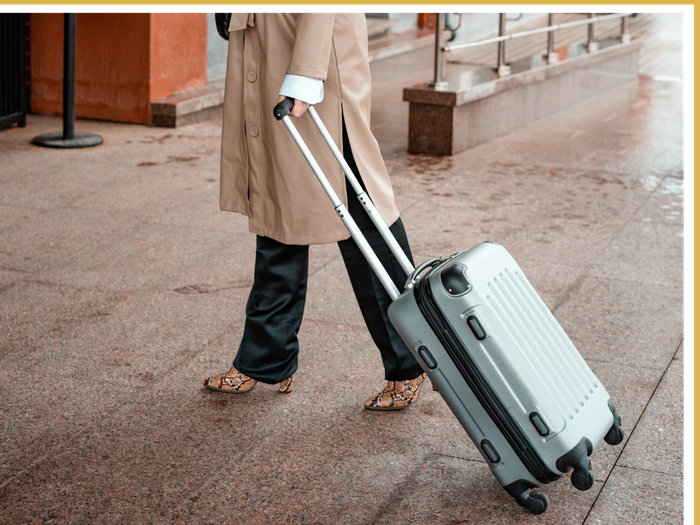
(269,347)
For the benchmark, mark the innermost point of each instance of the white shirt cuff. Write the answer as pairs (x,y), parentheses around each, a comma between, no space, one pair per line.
(307,89)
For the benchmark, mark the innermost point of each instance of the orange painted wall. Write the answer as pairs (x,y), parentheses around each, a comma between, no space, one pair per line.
(178,52)
(123,62)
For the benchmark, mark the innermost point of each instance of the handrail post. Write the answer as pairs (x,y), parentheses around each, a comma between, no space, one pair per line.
(591,46)
(503,69)
(552,57)
(624,34)
(438,83)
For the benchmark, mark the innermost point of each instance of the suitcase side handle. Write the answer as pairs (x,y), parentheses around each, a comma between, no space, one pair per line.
(415,274)
(340,208)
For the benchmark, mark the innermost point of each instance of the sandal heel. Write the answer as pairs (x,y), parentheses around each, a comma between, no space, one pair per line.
(287,385)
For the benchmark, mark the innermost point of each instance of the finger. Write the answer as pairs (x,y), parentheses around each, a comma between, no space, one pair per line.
(299,108)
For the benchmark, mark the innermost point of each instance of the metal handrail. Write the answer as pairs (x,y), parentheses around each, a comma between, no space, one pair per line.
(503,69)
(535,31)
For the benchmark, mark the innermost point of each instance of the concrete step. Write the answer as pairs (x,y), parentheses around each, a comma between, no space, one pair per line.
(189,107)
(394,44)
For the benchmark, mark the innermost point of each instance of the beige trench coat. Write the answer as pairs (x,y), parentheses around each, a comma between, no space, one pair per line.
(263,174)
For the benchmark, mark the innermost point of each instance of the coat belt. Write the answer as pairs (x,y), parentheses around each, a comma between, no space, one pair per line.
(240,21)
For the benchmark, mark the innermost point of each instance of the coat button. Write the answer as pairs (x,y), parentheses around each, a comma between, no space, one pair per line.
(253,132)
(251,76)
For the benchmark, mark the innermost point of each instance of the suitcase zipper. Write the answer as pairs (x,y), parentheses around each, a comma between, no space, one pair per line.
(479,385)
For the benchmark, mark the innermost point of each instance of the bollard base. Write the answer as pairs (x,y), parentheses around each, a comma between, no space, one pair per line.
(56,140)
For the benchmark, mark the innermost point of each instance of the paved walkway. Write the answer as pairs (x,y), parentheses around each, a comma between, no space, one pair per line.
(122,286)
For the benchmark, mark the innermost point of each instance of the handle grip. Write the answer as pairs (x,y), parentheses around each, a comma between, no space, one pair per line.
(284,108)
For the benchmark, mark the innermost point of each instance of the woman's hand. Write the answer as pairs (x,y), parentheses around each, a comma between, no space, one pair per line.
(299,106)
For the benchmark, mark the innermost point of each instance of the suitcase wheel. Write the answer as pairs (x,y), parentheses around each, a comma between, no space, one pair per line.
(581,477)
(615,434)
(534,502)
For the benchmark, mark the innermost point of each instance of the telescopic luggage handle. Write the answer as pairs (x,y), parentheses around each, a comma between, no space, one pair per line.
(281,112)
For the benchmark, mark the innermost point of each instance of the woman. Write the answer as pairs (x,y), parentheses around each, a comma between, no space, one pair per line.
(309,57)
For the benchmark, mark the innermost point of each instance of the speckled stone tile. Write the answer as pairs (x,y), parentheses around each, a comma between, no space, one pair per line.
(680,354)
(41,420)
(389,118)
(626,131)
(448,490)
(562,216)
(124,146)
(665,205)
(637,163)
(657,443)
(134,459)
(49,184)
(121,255)
(630,388)
(345,460)
(49,240)
(9,277)
(616,323)
(33,310)
(138,464)
(11,214)
(357,373)
(306,486)
(638,496)
(133,341)
(92,365)
(645,252)
(438,231)
(141,457)
(187,196)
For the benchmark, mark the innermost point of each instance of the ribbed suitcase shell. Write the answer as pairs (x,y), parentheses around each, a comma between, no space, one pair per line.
(528,365)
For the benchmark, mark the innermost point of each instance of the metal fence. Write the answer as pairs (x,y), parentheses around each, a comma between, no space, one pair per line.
(500,64)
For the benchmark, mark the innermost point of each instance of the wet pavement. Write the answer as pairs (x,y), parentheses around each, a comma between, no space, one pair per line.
(122,286)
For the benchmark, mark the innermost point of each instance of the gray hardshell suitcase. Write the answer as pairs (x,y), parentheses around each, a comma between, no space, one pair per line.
(507,370)
(496,354)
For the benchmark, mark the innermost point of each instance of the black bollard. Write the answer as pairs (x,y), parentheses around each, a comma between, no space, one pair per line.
(68,138)
(69,76)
